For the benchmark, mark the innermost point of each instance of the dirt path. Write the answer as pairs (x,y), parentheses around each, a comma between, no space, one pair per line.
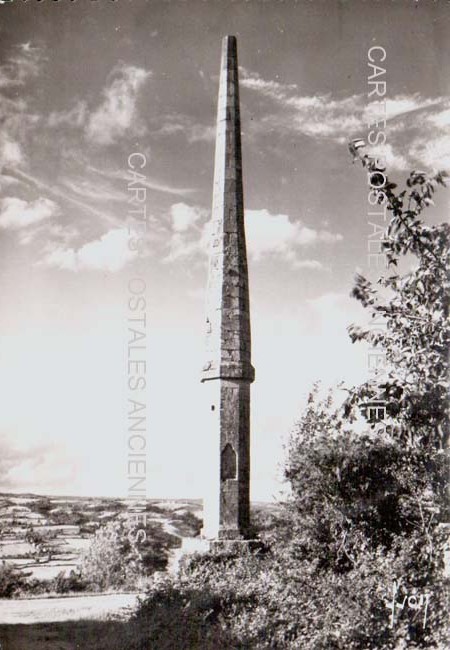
(55,610)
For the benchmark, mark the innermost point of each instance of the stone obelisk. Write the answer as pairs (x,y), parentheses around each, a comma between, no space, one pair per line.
(228,372)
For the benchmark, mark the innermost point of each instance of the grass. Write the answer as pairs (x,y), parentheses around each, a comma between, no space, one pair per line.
(136,634)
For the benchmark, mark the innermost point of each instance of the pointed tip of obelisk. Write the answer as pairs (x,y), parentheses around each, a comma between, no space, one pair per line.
(229,44)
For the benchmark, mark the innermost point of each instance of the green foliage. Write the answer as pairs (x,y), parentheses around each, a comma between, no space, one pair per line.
(60,584)
(187,523)
(113,559)
(410,310)
(364,507)
(63,584)
(42,506)
(353,491)
(275,600)
(119,557)
(12,580)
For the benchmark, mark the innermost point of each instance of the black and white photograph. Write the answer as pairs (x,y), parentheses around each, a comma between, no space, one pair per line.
(224,324)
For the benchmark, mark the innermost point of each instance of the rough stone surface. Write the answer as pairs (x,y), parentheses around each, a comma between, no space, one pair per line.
(228,313)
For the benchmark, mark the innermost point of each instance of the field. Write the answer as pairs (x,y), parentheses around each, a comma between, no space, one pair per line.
(45,536)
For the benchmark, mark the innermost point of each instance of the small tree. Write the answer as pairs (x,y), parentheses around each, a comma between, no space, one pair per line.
(411,310)
(113,559)
(12,580)
(120,557)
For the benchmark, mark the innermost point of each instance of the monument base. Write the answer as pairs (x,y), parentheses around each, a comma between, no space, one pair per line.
(201,546)
(236,546)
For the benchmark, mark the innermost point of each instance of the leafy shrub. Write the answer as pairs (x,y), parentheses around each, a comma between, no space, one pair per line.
(118,558)
(275,600)
(352,490)
(187,523)
(42,506)
(63,584)
(112,560)
(12,580)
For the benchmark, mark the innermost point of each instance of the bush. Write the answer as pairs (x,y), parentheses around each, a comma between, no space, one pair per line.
(12,580)
(117,558)
(351,491)
(187,523)
(274,600)
(112,560)
(63,584)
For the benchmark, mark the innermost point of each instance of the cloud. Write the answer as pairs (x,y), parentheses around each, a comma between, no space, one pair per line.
(188,238)
(95,191)
(433,152)
(108,253)
(276,234)
(16,213)
(117,114)
(145,181)
(441,119)
(272,89)
(11,152)
(393,159)
(183,247)
(267,235)
(316,116)
(432,146)
(21,67)
(177,123)
(49,233)
(313,265)
(24,65)
(402,105)
(410,140)
(61,195)
(38,467)
(184,216)
(74,117)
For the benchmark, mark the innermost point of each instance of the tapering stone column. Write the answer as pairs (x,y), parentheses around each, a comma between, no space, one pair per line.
(228,372)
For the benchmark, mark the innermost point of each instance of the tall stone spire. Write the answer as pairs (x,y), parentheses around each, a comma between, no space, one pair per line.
(228,372)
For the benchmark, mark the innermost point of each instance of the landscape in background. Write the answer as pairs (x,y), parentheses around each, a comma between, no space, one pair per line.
(348,259)
(46,535)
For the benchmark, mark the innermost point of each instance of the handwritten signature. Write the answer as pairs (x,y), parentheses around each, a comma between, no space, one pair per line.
(414,602)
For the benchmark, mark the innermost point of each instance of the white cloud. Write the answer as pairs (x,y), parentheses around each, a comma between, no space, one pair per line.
(184,216)
(392,158)
(109,253)
(95,191)
(201,133)
(313,265)
(16,122)
(16,213)
(441,118)
(21,67)
(177,123)
(11,152)
(62,195)
(410,140)
(183,247)
(118,113)
(148,182)
(266,235)
(48,233)
(74,117)
(433,152)
(269,234)
(188,237)
(273,89)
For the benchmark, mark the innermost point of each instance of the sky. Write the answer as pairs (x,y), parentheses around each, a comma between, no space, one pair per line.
(83,86)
